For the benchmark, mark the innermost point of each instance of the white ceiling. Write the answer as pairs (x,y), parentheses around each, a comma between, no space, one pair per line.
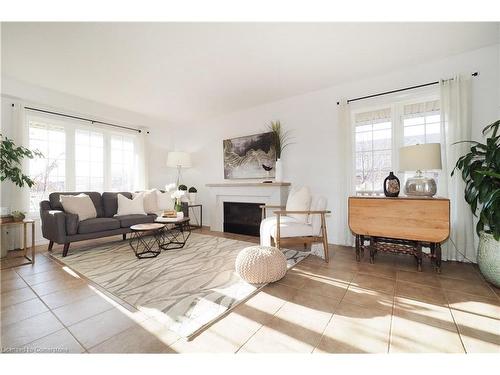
(190,71)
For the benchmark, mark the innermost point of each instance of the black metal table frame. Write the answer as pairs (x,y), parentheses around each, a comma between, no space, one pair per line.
(399,246)
(175,237)
(146,243)
(200,223)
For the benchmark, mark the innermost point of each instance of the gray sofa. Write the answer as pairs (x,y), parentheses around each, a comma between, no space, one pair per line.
(63,228)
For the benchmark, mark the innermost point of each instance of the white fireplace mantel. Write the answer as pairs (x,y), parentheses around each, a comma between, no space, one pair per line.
(275,193)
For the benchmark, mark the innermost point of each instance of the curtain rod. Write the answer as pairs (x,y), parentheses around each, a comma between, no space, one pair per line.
(475,74)
(83,119)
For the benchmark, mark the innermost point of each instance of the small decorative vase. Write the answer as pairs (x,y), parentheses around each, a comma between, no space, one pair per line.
(391,185)
(488,258)
(178,205)
(278,170)
(180,215)
(192,198)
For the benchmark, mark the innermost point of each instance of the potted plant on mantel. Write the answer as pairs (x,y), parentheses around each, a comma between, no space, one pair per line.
(481,172)
(281,141)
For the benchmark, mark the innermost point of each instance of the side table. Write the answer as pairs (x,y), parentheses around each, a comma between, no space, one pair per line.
(175,233)
(146,246)
(199,224)
(24,224)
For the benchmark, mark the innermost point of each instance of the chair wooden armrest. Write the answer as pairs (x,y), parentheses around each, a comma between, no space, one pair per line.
(284,212)
(271,206)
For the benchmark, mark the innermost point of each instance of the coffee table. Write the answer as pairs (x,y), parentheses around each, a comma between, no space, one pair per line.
(146,239)
(175,233)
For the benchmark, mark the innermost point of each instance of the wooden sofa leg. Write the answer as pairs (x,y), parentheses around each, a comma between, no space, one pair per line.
(124,236)
(66,248)
(51,244)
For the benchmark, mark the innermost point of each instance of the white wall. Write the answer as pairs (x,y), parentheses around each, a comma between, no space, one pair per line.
(315,158)
(20,93)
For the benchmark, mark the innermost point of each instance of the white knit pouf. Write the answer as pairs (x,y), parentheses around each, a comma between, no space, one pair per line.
(260,264)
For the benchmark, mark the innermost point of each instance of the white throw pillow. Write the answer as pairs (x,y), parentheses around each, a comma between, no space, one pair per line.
(164,200)
(80,205)
(128,206)
(150,200)
(299,200)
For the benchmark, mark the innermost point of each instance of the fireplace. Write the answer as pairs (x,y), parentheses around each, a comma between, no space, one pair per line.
(242,218)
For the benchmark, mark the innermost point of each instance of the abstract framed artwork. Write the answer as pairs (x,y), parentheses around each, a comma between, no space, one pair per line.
(251,156)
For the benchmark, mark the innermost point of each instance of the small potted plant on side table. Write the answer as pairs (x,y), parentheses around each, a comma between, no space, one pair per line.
(192,195)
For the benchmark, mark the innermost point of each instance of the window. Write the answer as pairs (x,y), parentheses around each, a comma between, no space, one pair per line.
(378,135)
(422,124)
(89,160)
(78,157)
(373,140)
(122,158)
(49,173)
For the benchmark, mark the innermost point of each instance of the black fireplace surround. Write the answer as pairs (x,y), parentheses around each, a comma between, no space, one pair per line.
(242,218)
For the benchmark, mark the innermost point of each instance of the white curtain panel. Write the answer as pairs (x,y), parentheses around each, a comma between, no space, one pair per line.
(344,119)
(456,124)
(141,181)
(20,196)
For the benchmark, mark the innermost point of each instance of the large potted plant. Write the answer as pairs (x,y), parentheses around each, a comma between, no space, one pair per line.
(480,169)
(11,158)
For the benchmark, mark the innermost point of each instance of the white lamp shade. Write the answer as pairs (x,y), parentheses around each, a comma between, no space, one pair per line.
(178,158)
(420,157)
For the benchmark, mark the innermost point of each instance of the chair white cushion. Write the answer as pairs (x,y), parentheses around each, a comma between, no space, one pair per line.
(130,206)
(318,203)
(164,201)
(299,200)
(80,205)
(289,227)
(150,200)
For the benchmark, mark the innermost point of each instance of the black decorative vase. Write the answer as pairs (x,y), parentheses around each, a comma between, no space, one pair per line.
(391,186)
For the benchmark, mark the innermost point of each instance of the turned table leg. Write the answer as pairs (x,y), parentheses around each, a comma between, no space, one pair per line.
(419,256)
(358,245)
(438,258)
(373,244)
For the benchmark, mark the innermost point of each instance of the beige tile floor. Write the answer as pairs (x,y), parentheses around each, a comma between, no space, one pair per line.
(339,307)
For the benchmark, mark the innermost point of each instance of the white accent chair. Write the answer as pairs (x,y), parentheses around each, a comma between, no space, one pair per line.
(283,229)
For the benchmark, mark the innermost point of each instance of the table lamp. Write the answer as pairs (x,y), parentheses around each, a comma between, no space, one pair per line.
(179,160)
(419,158)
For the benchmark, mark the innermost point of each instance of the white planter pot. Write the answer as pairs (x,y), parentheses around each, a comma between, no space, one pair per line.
(192,198)
(278,170)
(180,215)
(488,258)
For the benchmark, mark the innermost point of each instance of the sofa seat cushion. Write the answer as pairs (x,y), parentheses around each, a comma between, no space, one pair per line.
(127,221)
(99,224)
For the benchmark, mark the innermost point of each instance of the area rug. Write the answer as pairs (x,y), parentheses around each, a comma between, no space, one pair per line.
(186,289)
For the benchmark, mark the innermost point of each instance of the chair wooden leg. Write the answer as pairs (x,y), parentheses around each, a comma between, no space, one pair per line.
(51,244)
(66,248)
(325,237)
(278,239)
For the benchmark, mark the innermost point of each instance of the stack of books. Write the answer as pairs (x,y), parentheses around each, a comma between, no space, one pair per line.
(6,219)
(170,214)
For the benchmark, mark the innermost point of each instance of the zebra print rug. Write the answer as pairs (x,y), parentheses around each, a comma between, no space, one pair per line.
(186,289)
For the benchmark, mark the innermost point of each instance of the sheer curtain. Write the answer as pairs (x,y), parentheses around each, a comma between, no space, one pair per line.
(141,172)
(344,119)
(456,124)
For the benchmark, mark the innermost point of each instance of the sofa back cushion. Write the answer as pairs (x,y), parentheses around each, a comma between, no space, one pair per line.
(110,202)
(80,205)
(55,200)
